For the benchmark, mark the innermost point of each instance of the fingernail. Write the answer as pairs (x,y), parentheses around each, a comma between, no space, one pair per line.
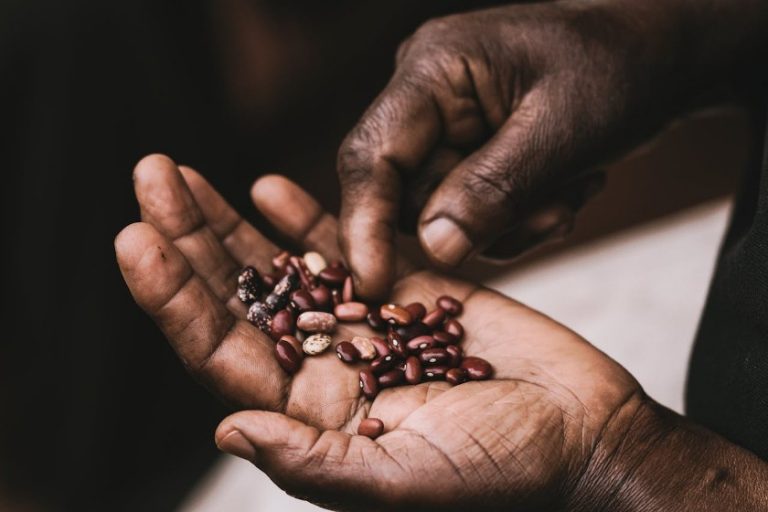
(446,241)
(235,444)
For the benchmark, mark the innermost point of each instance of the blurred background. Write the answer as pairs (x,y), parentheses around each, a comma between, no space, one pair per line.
(95,411)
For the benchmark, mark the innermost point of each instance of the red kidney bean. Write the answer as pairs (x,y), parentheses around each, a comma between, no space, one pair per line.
(365,347)
(307,279)
(395,314)
(316,321)
(435,372)
(286,357)
(382,364)
(413,370)
(351,311)
(450,305)
(455,354)
(456,376)
(333,276)
(348,292)
(375,321)
(281,260)
(282,324)
(382,349)
(302,300)
(347,352)
(369,384)
(477,368)
(408,332)
(434,318)
(370,427)
(454,328)
(417,310)
(443,339)
(258,315)
(391,378)
(295,343)
(420,343)
(434,357)
(396,344)
(322,296)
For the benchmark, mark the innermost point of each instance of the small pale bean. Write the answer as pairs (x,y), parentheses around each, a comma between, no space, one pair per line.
(316,344)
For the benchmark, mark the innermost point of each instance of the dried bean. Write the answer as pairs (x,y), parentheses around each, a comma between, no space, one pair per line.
(382,364)
(348,292)
(351,311)
(322,296)
(335,297)
(434,357)
(395,314)
(307,279)
(333,276)
(450,305)
(302,300)
(382,349)
(417,310)
(376,322)
(435,372)
(391,378)
(249,285)
(295,343)
(316,344)
(420,343)
(443,339)
(434,318)
(281,260)
(280,295)
(315,262)
(396,344)
(365,347)
(455,353)
(370,427)
(258,315)
(456,376)
(316,321)
(413,370)
(369,384)
(477,368)
(287,357)
(347,352)
(454,328)
(282,324)
(414,330)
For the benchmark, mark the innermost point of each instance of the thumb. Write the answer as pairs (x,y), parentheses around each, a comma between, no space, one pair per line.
(329,467)
(487,192)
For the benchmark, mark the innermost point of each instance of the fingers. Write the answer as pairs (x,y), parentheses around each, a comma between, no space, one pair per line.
(327,467)
(396,134)
(228,355)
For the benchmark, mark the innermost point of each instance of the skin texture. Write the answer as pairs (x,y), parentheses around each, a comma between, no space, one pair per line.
(481,140)
(560,427)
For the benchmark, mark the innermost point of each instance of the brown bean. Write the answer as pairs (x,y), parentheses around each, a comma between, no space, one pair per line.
(295,343)
(455,353)
(435,372)
(413,370)
(347,352)
(375,321)
(417,310)
(420,343)
(335,297)
(408,332)
(369,384)
(391,378)
(351,311)
(281,260)
(434,357)
(443,339)
(282,324)
(302,300)
(382,349)
(322,296)
(393,313)
(396,344)
(333,276)
(308,280)
(454,328)
(456,376)
(365,347)
(316,321)
(450,305)
(370,427)
(281,293)
(316,344)
(434,319)
(348,292)
(382,364)
(286,357)
(477,368)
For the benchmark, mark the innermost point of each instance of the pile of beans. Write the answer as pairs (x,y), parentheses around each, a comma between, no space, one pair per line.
(301,303)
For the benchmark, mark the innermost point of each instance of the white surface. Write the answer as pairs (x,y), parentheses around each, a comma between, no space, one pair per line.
(637,296)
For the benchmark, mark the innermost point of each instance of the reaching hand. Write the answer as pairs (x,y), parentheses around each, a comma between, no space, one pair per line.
(526,438)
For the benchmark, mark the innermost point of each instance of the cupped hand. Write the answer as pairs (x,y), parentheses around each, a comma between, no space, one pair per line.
(486,138)
(525,438)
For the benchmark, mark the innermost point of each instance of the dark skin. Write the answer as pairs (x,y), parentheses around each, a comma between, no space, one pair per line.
(560,427)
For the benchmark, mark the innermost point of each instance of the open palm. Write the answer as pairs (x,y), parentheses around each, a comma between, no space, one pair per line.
(522,438)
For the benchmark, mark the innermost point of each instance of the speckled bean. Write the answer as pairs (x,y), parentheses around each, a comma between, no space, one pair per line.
(351,311)
(365,347)
(316,321)
(316,344)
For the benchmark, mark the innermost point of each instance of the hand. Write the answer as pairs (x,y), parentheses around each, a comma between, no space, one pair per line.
(528,438)
(482,138)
